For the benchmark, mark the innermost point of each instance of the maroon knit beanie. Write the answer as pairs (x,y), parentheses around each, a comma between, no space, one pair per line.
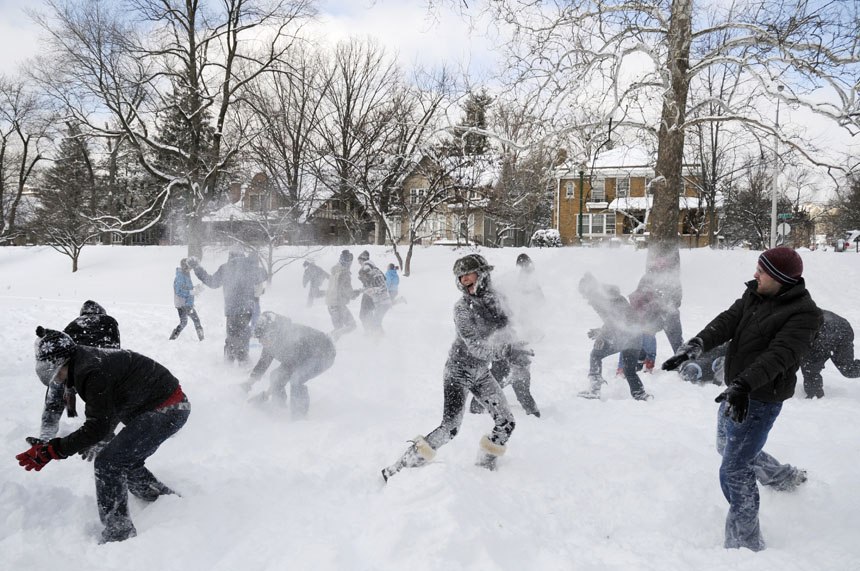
(782,264)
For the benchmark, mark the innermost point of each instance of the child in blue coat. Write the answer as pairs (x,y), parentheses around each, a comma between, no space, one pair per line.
(392,281)
(183,300)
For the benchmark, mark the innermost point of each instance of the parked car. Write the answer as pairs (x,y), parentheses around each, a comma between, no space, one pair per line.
(851,241)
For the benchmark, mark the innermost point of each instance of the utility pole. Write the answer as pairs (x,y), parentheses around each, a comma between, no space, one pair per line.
(581,199)
(773,213)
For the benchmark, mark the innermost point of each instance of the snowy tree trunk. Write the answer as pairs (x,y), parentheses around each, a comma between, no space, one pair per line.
(669,183)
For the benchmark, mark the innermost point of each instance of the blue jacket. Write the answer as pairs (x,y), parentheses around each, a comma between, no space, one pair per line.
(392,280)
(183,296)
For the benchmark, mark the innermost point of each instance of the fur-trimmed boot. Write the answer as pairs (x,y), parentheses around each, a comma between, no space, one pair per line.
(488,452)
(595,381)
(416,455)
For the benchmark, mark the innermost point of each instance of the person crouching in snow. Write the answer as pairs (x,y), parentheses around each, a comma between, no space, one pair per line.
(304,353)
(94,327)
(468,370)
(117,386)
(183,300)
(620,332)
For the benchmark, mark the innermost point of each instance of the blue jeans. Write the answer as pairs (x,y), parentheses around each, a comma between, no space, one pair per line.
(740,445)
(119,468)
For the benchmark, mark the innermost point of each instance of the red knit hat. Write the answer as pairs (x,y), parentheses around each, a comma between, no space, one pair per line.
(782,264)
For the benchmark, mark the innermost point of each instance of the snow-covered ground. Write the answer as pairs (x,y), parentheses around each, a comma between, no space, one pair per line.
(591,485)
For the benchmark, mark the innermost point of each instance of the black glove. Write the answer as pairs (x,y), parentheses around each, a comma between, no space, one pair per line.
(192,262)
(594,333)
(738,397)
(692,349)
(38,455)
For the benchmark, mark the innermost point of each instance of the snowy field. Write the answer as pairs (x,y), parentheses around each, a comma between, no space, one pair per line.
(612,484)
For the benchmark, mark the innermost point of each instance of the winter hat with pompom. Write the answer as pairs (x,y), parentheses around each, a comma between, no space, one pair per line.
(53,345)
(53,350)
(782,264)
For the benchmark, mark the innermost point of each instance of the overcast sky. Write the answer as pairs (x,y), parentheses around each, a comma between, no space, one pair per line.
(404,26)
(401,25)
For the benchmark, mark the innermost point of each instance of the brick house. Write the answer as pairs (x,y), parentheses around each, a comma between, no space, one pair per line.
(456,191)
(611,200)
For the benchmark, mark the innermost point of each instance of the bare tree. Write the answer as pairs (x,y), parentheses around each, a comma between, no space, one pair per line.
(635,61)
(364,82)
(139,60)
(286,104)
(25,130)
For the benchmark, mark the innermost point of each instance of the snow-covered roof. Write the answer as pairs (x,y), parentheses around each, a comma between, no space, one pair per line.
(230,212)
(620,161)
(646,202)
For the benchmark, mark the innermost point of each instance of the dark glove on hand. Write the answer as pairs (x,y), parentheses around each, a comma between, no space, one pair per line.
(192,262)
(692,349)
(594,333)
(738,397)
(38,455)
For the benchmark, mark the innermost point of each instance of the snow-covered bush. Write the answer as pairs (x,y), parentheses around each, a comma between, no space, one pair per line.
(548,238)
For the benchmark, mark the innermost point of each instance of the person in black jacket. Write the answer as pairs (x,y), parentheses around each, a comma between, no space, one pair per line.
(117,386)
(95,328)
(479,341)
(769,330)
(304,353)
(239,277)
(835,341)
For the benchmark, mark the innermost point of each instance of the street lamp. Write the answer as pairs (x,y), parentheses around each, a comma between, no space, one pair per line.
(773,214)
(581,199)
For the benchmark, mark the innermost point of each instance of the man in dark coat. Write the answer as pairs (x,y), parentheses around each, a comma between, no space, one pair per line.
(835,341)
(304,353)
(313,278)
(769,330)
(117,386)
(478,343)
(239,277)
(339,294)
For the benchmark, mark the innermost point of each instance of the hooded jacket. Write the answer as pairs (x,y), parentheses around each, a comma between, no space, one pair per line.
(768,337)
(94,327)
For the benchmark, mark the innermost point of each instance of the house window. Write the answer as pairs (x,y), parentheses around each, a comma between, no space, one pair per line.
(568,189)
(416,195)
(649,190)
(622,187)
(598,190)
(596,224)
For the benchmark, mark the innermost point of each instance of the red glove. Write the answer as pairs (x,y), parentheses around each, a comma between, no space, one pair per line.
(38,455)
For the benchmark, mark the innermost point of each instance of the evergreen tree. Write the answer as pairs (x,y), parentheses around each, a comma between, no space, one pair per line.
(470,134)
(69,198)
